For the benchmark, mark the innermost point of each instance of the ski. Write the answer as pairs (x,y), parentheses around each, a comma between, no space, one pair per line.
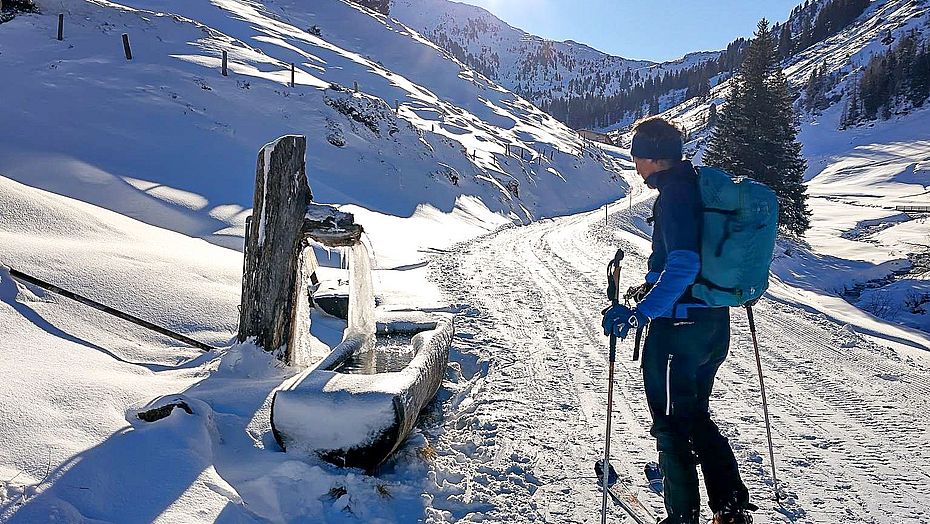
(624,495)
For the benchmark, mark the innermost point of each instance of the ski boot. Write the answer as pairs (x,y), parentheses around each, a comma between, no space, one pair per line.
(730,515)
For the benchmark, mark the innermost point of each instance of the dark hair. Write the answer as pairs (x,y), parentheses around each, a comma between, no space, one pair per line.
(657,138)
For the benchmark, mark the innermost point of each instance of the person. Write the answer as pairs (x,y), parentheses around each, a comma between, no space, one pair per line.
(686,341)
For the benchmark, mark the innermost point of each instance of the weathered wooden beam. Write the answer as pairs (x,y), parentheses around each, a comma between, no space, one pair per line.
(23,277)
(274,242)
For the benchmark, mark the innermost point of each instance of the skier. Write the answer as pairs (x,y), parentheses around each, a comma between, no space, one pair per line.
(686,341)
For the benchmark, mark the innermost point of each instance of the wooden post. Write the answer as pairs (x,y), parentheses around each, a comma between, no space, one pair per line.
(126,48)
(225,62)
(107,309)
(396,107)
(61,26)
(274,242)
(355,86)
(293,74)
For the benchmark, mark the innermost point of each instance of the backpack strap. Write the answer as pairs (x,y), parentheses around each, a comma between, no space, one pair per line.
(701,280)
(730,212)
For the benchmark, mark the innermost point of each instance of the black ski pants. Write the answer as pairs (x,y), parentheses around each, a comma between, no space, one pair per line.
(680,361)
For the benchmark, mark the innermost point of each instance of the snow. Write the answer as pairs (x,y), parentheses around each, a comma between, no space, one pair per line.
(129,182)
(140,134)
(184,284)
(331,411)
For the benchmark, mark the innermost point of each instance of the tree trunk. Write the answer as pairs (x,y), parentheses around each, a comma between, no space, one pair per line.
(274,241)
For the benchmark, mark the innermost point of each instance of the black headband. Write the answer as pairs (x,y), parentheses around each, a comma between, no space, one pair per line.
(664,148)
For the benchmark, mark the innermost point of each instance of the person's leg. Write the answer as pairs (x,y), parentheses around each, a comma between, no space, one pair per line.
(721,472)
(663,375)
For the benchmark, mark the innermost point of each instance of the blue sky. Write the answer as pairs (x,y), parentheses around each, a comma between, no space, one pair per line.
(657,30)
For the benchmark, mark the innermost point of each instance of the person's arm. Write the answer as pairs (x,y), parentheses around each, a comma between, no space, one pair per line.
(681,231)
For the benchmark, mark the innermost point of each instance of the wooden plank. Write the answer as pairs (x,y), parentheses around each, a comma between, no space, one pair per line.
(333,228)
(19,275)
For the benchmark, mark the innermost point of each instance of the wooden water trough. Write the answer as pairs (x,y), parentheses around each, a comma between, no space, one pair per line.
(356,418)
(357,404)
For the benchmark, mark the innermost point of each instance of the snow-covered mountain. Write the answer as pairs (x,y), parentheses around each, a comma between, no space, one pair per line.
(541,70)
(166,139)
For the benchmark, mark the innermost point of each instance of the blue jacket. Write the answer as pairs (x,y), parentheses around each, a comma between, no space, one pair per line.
(675,262)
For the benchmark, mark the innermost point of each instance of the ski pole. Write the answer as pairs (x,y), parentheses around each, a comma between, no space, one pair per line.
(765,405)
(615,276)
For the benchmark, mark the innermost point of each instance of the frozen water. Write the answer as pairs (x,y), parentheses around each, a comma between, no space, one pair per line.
(361,295)
(391,354)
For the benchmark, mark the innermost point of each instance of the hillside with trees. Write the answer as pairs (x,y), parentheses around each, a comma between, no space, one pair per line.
(585,88)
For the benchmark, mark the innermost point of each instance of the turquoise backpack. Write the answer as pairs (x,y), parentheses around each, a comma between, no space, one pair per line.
(737,240)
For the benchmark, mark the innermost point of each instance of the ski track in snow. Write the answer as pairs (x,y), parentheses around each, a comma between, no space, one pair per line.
(519,440)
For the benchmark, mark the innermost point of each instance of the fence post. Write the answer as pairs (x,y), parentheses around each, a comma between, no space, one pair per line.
(61,25)
(396,107)
(225,62)
(126,47)
(293,73)
(355,85)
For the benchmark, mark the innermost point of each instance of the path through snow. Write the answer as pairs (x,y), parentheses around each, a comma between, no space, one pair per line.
(519,438)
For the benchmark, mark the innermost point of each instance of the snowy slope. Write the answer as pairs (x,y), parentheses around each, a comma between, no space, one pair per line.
(124,180)
(166,139)
(73,379)
(527,64)
(152,170)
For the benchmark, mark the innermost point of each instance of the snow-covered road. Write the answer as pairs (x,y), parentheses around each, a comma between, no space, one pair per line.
(524,426)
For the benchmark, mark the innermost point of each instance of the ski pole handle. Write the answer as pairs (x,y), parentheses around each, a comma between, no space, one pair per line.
(615,275)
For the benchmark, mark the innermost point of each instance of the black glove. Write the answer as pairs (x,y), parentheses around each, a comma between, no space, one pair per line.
(618,319)
(637,293)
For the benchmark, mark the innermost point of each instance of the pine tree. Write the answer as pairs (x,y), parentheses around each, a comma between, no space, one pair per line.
(785,42)
(756,132)
(712,115)
(853,109)
(920,80)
